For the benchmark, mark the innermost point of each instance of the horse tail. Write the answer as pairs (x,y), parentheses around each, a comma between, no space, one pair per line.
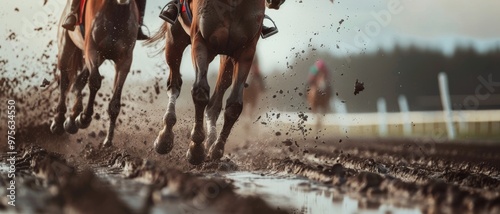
(157,37)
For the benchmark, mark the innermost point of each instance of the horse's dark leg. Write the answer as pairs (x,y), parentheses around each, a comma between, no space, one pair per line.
(200,93)
(234,103)
(80,82)
(177,41)
(66,56)
(215,104)
(93,61)
(122,68)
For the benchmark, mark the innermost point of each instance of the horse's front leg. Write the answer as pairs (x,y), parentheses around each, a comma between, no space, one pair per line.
(173,54)
(80,82)
(67,71)
(93,61)
(200,93)
(234,103)
(122,67)
(215,104)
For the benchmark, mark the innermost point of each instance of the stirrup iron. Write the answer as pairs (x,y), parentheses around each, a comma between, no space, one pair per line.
(275,31)
(177,4)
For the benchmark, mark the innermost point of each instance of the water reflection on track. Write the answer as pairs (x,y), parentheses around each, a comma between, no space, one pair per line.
(303,196)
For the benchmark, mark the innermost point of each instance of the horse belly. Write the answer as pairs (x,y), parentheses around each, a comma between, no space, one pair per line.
(229,30)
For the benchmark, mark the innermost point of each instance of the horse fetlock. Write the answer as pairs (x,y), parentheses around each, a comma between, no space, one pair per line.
(233,111)
(70,126)
(198,134)
(196,153)
(212,136)
(170,119)
(201,95)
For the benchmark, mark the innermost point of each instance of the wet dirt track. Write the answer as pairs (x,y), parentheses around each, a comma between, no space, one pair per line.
(59,174)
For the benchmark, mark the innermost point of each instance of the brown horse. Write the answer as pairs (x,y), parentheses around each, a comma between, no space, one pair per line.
(218,27)
(110,33)
(320,90)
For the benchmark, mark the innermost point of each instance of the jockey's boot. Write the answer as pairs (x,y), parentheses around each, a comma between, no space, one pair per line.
(72,17)
(141,6)
(171,11)
(268,31)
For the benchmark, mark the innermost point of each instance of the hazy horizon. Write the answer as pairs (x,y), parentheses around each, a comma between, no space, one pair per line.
(367,27)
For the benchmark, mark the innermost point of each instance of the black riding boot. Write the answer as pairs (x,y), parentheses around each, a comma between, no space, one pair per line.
(141,6)
(72,17)
(171,11)
(268,31)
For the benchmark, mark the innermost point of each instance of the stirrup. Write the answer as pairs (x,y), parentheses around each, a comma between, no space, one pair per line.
(141,35)
(275,31)
(167,19)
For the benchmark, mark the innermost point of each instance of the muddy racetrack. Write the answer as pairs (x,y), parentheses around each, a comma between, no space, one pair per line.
(59,174)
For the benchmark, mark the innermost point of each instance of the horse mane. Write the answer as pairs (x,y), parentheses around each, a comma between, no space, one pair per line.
(157,37)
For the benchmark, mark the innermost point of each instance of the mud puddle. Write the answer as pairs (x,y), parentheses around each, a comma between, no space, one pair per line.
(302,195)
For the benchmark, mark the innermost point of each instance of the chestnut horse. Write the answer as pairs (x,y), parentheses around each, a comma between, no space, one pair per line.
(320,90)
(229,28)
(110,33)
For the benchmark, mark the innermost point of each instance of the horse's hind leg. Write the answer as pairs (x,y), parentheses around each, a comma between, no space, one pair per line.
(200,93)
(215,104)
(80,82)
(234,103)
(122,69)
(67,72)
(173,54)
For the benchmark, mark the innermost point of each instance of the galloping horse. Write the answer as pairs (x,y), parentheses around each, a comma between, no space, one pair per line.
(110,33)
(320,90)
(229,28)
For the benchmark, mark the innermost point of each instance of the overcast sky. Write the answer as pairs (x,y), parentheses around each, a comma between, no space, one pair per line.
(303,24)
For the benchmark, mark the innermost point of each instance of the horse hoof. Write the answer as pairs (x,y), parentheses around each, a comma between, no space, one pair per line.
(70,126)
(83,122)
(196,154)
(56,128)
(216,152)
(164,144)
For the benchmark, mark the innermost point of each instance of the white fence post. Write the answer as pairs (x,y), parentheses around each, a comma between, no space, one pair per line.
(382,117)
(446,102)
(341,113)
(405,114)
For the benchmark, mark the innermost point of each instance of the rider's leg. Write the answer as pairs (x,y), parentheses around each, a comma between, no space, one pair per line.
(171,12)
(268,31)
(141,6)
(72,17)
